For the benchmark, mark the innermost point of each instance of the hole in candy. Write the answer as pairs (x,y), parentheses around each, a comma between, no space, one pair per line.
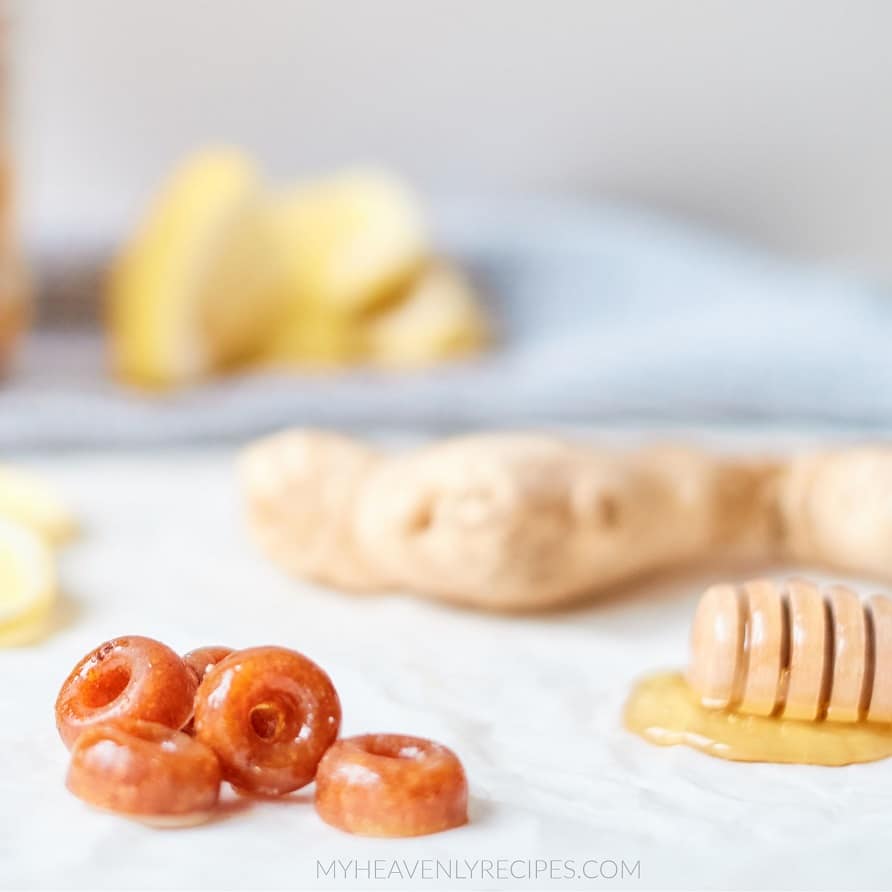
(393,749)
(104,686)
(266,721)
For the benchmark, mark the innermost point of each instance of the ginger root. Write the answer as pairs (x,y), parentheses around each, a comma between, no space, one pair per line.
(301,494)
(529,521)
(836,510)
(499,521)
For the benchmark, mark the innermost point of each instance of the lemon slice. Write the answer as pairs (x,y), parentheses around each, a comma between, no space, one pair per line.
(352,240)
(197,288)
(27,584)
(315,338)
(29,501)
(438,319)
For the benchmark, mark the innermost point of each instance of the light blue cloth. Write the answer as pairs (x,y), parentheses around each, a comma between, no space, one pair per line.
(604,314)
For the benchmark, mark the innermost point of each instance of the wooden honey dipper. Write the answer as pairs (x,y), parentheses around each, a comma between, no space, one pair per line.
(794,650)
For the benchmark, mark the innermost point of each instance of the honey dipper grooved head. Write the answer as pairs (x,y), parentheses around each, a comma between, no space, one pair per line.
(880,705)
(808,650)
(794,650)
(716,645)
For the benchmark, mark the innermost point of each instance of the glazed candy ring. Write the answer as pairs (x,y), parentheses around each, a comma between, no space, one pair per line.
(269,714)
(145,771)
(129,677)
(200,661)
(391,785)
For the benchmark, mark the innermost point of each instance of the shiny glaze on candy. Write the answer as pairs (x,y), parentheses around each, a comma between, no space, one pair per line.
(127,677)
(200,661)
(391,785)
(269,714)
(146,771)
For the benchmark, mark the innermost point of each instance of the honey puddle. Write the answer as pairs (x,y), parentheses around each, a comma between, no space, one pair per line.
(663,710)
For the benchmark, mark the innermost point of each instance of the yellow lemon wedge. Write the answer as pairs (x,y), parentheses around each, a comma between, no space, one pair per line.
(27,584)
(351,240)
(197,288)
(29,501)
(439,318)
(315,338)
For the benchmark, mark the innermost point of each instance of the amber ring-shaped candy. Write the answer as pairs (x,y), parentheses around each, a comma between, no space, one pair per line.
(129,677)
(200,661)
(391,785)
(269,714)
(145,771)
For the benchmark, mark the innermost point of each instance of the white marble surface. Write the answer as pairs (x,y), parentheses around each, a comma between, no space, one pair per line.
(531,704)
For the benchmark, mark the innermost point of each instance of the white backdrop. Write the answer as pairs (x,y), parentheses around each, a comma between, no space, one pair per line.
(769,119)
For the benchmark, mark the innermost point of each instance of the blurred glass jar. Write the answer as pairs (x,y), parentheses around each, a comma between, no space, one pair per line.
(14,297)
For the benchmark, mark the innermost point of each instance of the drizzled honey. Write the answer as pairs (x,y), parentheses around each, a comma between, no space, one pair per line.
(664,710)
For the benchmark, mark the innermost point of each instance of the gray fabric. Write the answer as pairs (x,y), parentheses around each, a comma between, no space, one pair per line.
(604,313)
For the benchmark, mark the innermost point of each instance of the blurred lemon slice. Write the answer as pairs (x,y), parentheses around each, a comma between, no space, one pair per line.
(196,290)
(27,584)
(439,318)
(315,338)
(352,240)
(29,501)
